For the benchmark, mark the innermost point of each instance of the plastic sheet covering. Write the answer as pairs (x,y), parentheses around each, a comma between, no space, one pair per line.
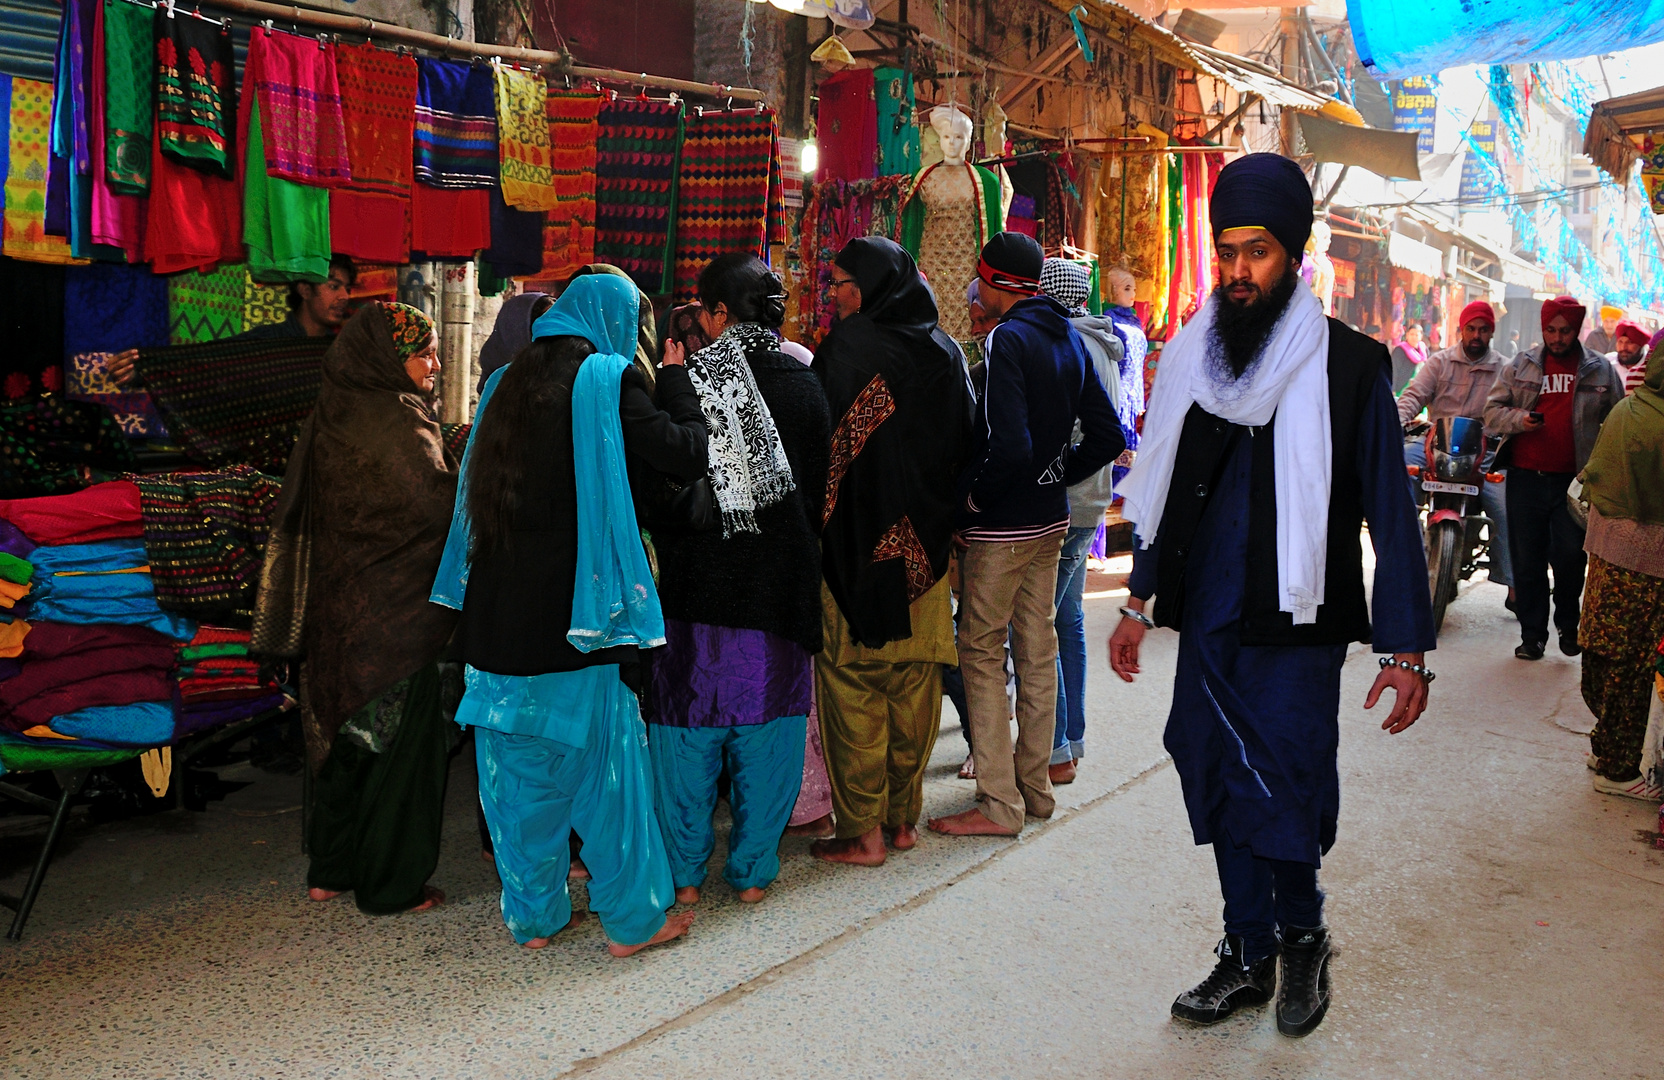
(1399,39)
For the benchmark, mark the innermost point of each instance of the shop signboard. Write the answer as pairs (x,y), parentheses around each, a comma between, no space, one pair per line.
(1415,106)
(1478,176)
(791,172)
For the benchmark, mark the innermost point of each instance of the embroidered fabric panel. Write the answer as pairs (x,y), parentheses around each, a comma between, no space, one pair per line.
(871,407)
(902,542)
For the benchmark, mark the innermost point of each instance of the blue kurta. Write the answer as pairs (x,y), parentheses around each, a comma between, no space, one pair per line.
(1254,730)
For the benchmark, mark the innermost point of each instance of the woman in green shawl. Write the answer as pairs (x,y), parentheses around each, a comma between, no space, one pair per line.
(359,531)
(1623,600)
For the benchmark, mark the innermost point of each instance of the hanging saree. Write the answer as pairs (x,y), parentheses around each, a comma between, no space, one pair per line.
(285,224)
(378,104)
(29,154)
(128,41)
(196,95)
(117,214)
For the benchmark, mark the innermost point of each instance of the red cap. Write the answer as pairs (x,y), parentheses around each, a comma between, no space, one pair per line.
(1478,309)
(1630,329)
(1567,306)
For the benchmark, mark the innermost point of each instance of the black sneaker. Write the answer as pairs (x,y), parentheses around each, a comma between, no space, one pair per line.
(1231,986)
(1529,650)
(1303,993)
(1568,643)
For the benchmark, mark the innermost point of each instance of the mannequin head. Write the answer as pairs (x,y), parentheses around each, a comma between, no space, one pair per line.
(1321,237)
(1123,287)
(954,129)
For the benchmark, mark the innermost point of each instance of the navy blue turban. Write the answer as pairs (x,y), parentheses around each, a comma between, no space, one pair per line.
(1266,191)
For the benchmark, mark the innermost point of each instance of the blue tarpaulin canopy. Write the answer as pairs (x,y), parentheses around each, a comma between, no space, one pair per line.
(1398,38)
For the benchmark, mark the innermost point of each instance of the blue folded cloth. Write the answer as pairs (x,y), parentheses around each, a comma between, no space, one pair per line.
(146,723)
(120,599)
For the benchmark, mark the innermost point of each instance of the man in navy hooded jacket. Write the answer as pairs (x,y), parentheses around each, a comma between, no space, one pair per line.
(1014,515)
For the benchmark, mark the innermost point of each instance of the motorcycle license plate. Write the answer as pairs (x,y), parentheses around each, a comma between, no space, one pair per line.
(1453,489)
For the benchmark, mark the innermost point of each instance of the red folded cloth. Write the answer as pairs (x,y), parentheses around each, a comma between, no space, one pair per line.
(102,512)
(69,667)
(370,228)
(117,688)
(452,223)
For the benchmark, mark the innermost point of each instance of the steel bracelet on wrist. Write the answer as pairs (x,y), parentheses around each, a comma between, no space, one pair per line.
(1138,617)
(1417,669)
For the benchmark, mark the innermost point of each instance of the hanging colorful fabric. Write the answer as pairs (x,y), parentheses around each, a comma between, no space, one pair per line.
(195,96)
(846,126)
(449,224)
(456,125)
(728,191)
(637,150)
(194,219)
(263,304)
(300,108)
(378,105)
(285,224)
(523,138)
(129,43)
(569,225)
(898,135)
(369,227)
(117,218)
(71,153)
(28,152)
(205,307)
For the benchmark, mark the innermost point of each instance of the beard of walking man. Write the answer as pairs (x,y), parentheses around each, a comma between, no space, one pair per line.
(1257,277)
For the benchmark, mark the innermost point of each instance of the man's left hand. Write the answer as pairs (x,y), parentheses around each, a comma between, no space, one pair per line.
(1409,694)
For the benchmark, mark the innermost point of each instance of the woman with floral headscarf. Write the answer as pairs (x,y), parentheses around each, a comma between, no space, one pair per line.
(546,563)
(360,529)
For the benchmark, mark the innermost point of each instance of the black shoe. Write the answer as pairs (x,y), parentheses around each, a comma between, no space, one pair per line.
(1509,603)
(1568,643)
(1303,993)
(1529,650)
(1231,986)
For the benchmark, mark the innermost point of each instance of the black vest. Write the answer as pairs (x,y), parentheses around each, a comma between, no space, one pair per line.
(1356,362)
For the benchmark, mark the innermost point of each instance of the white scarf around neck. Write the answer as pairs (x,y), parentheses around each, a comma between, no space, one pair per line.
(1290,378)
(747,461)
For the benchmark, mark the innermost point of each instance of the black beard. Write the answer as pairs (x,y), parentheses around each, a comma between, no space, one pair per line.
(1241,329)
(1563,351)
(1476,350)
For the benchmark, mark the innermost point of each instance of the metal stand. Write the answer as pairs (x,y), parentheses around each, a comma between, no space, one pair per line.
(69,783)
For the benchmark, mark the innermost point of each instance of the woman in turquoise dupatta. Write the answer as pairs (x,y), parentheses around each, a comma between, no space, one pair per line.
(558,734)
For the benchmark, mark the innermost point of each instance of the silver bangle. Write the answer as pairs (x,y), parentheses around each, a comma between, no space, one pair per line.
(1416,669)
(1138,617)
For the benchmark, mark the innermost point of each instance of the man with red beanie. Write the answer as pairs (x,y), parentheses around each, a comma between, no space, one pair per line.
(1629,353)
(1456,382)
(1549,402)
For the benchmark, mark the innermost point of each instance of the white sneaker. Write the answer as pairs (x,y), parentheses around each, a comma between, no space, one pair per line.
(1637,788)
(1591,760)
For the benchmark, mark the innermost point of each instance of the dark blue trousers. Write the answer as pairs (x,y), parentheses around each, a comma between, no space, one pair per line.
(1263,894)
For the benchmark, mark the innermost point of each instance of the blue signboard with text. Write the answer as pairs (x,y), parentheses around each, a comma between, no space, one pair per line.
(1415,106)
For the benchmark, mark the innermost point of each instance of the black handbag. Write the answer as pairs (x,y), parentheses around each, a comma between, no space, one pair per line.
(688,507)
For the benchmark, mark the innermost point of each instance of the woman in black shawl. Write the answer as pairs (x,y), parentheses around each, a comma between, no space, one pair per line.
(901,408)
(360,527)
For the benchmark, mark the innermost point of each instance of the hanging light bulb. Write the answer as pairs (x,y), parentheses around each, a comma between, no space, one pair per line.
(811,158)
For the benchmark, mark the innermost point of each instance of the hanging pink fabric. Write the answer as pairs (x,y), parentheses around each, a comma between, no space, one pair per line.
(300,108)
(846,127)
(117,220)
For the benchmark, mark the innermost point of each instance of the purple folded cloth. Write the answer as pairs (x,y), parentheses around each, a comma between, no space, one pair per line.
(13,542)
(213,714)
(718,676)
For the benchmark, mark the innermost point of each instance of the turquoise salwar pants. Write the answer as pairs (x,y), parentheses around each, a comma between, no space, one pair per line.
(765,768)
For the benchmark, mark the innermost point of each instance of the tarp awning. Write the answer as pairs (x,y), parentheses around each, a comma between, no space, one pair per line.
(1613,121)
(1423,37)
(1389,154)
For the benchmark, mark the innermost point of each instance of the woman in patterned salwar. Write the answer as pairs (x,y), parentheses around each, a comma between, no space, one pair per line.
(359,531)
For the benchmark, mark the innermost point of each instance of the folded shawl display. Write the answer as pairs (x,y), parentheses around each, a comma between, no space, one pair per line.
(196,94)
(73,667)
(456,125)
(356,600)
(236,402)
(303,135)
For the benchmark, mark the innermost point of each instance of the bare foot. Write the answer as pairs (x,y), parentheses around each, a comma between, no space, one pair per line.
(820,827)
(674,927)
(486,856)
(432,898)
(321,894)
(578,872)
(687,894)
(864,850)
(752,896)
(902,837)
(971,823)
(967,771)
(539,942)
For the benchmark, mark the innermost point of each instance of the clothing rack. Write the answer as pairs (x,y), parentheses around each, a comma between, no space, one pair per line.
(556,63)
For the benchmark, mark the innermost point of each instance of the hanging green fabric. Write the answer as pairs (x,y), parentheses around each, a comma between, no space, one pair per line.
(129,95)
(898,135)
(488,283)
(286,225)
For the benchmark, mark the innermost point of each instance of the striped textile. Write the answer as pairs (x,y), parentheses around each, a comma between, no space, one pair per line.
(206,307)
(523,138)
(456,125)
(637,147)
(236,402)
(729,192)
(569,224)
(300,108)
(205,538)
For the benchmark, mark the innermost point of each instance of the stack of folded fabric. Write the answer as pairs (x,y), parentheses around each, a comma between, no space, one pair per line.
(218,683)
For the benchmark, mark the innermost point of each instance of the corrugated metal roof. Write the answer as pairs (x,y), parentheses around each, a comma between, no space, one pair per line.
(1612,121)
(28,37)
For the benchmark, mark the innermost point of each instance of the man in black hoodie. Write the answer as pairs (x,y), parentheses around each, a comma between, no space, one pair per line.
(1012,519)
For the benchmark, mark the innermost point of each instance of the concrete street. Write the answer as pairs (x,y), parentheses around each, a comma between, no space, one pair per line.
(1493,915)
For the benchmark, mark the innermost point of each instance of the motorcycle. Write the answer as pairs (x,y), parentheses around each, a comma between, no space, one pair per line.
(1452,516)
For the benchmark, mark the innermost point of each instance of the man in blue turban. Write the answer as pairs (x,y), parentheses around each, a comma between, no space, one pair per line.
(1270,440)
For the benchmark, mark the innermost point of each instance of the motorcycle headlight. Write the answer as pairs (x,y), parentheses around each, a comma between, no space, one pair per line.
(1454,466)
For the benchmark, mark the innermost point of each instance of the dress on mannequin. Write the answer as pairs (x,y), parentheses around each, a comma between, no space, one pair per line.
(950,211)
